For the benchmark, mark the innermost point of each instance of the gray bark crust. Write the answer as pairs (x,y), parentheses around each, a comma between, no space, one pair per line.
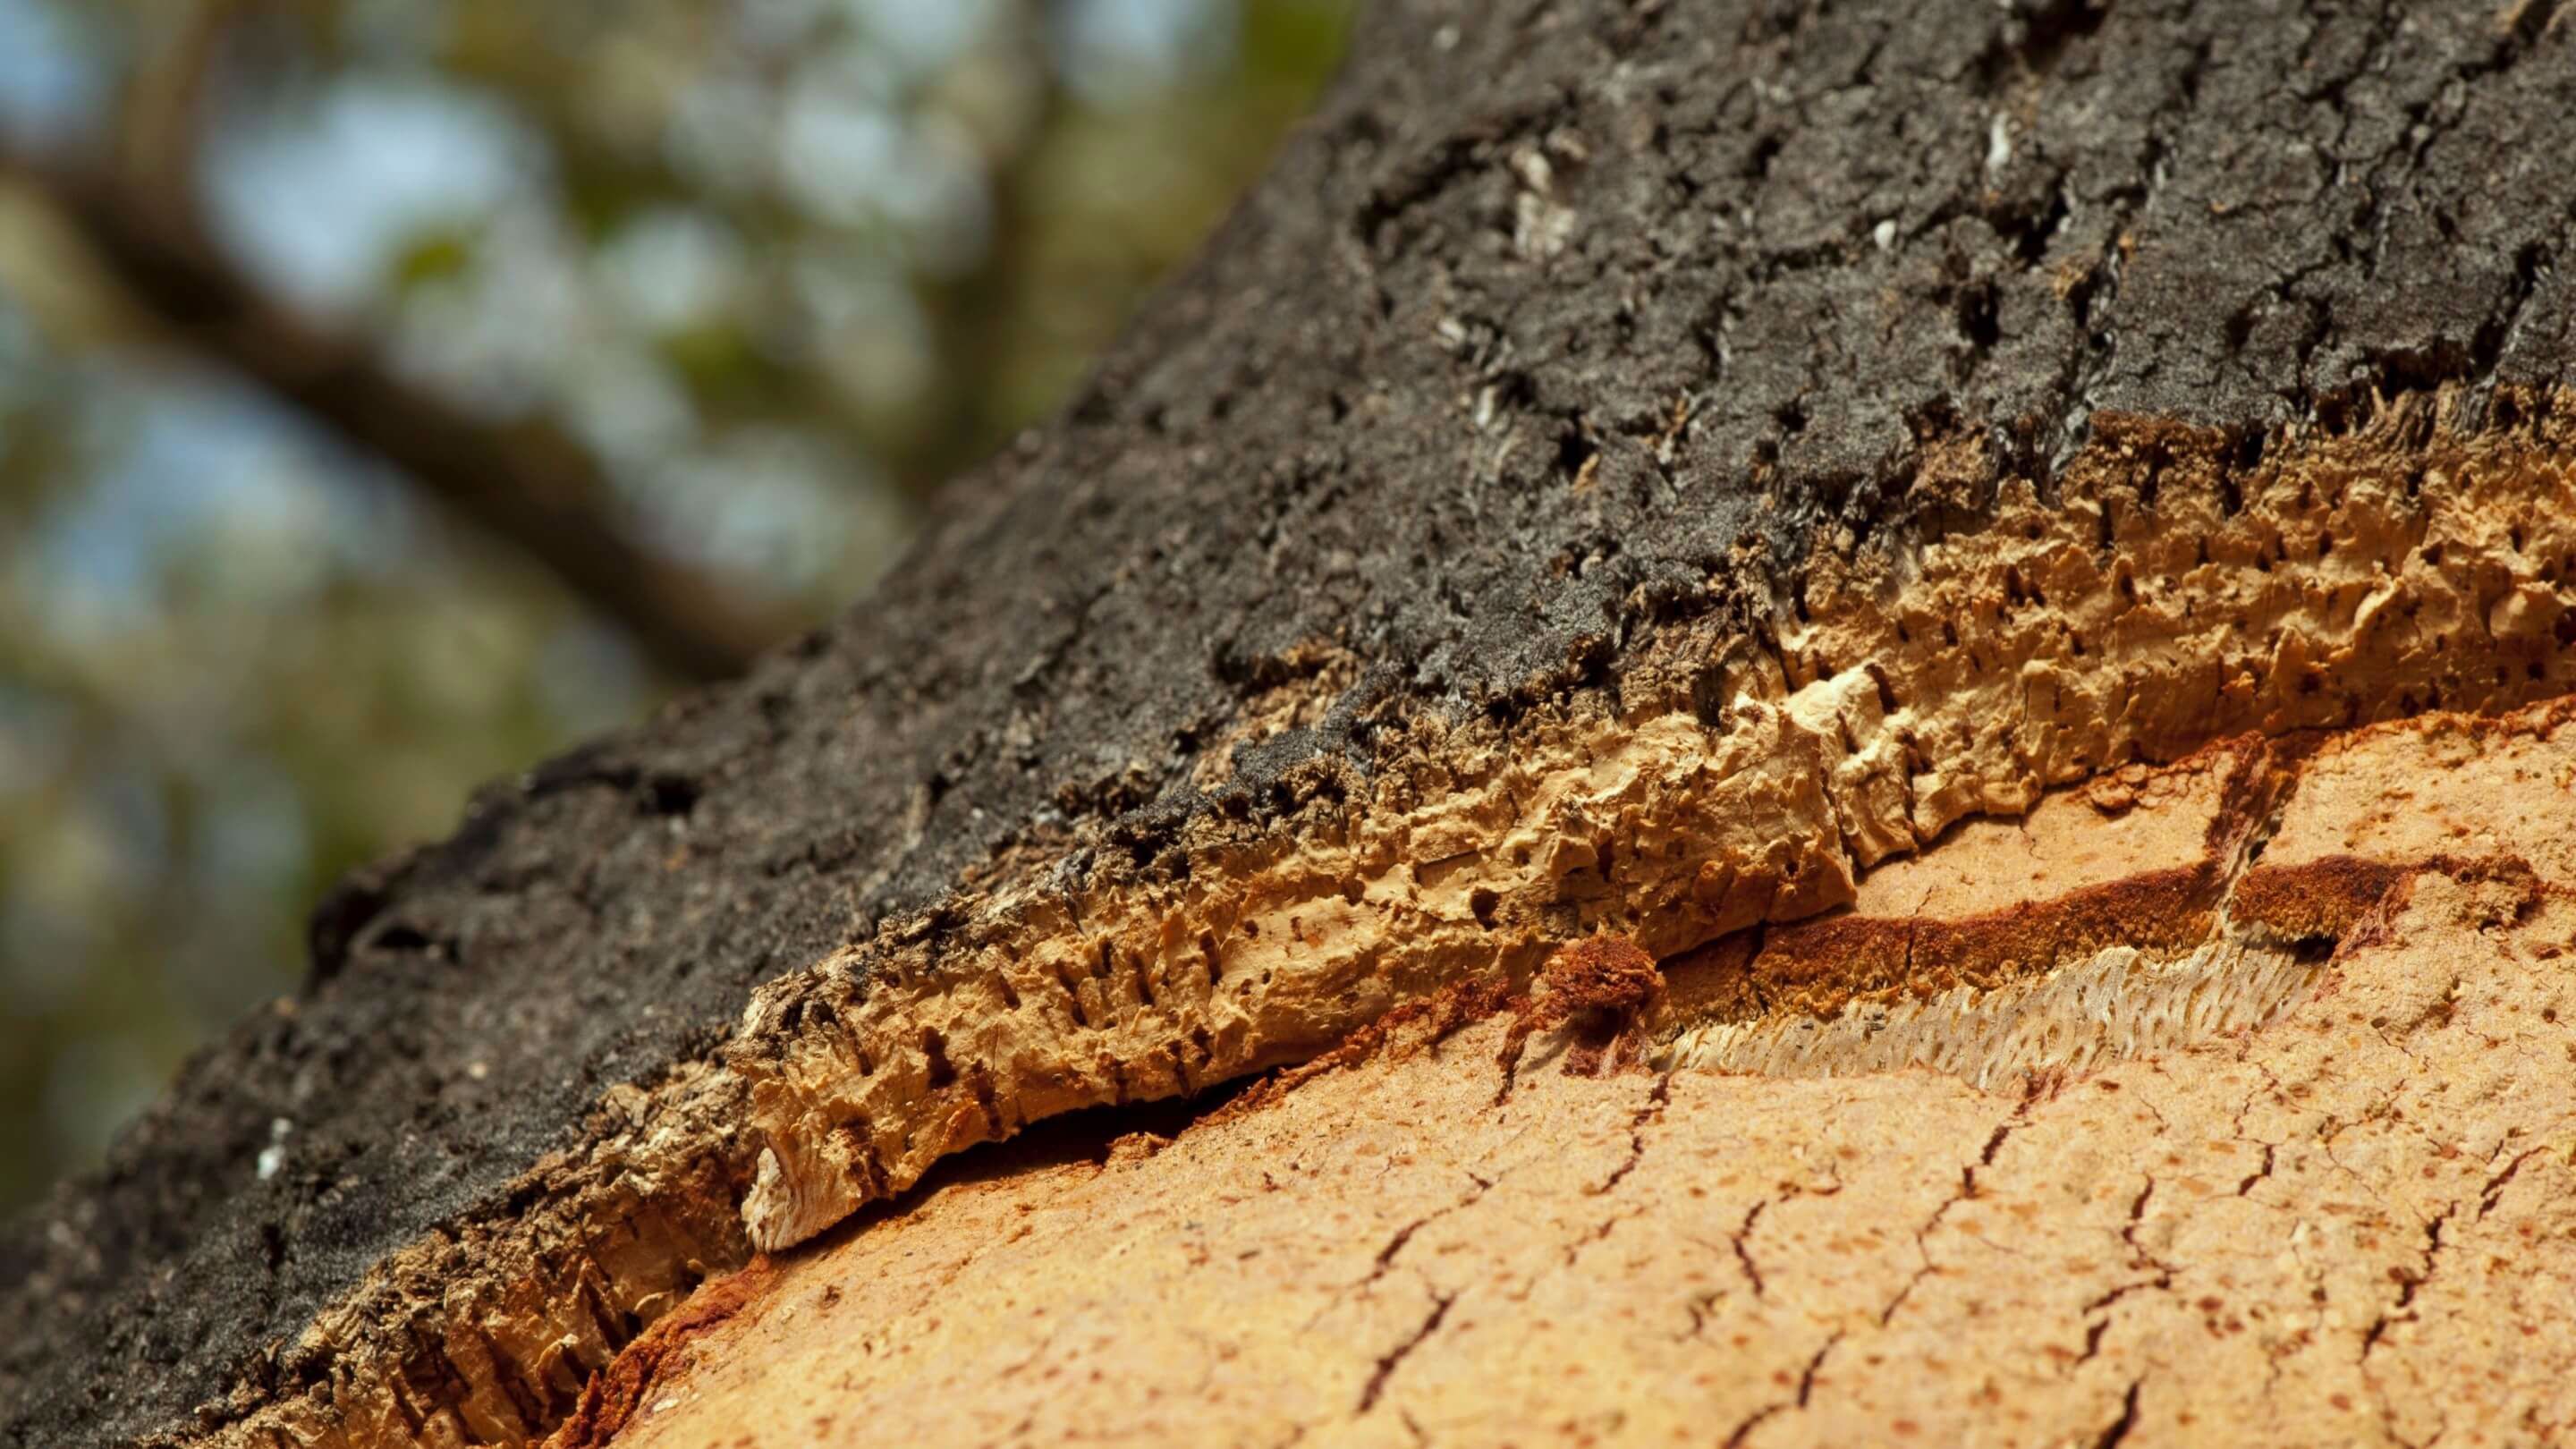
(1830,232)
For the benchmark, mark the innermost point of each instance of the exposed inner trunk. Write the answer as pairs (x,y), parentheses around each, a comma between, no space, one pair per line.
(2325,1187)
(2005,802)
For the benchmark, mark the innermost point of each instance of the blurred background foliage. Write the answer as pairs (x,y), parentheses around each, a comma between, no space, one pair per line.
(392,391)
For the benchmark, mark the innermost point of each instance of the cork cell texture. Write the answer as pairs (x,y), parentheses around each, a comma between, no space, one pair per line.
(2323,1202)
(1890,669)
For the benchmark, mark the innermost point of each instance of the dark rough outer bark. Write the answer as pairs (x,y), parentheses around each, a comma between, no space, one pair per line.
(2239,214)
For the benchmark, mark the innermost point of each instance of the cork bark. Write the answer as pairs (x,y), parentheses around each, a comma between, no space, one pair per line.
(2341,1219)
(1640,470)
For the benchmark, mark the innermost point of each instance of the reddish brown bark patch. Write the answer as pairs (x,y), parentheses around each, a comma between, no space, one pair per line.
(2342,896)
(1603,983)
(614,1394)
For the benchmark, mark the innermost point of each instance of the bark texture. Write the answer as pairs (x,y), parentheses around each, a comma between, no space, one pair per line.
(2353,1226)
(1565,353)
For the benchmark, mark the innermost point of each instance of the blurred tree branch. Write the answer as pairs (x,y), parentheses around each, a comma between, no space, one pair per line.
(527,484)
(165,100)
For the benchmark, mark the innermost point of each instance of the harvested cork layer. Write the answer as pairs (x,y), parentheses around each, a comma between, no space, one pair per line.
(2004,800)
(2350,1221)
(2156,606)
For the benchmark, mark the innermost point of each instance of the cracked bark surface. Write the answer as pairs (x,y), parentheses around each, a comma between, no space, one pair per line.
(2349,1225)
(1538,514)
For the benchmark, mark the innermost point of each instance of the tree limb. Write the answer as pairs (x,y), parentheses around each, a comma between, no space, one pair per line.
(528,485)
